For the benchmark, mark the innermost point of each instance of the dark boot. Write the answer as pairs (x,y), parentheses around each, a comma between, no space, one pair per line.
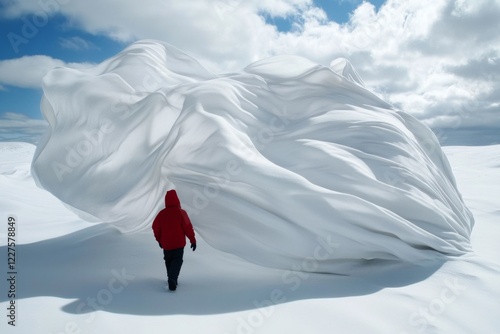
(172,285)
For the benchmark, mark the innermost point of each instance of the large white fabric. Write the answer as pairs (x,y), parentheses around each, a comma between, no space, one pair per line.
(286,163)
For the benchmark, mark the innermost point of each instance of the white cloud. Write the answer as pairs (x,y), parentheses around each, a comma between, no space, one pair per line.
(18,127)
(28,71)
(76,43)
(429,57)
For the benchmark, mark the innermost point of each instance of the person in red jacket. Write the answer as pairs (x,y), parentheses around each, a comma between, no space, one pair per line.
(171,227)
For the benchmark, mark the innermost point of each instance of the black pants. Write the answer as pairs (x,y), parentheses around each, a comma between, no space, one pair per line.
(173,262)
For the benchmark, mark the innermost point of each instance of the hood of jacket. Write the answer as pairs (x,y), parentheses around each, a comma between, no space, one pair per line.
(171,199)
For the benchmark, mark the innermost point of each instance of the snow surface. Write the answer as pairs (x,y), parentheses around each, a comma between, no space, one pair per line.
(77,277)
(288,164)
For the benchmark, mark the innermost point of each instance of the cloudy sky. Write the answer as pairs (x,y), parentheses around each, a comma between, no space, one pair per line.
(437,59)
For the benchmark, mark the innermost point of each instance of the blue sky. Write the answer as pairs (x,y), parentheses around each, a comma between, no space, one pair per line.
(51,39)
(455,44)
(337,11)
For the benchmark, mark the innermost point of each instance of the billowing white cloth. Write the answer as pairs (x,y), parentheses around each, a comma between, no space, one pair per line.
(286,163)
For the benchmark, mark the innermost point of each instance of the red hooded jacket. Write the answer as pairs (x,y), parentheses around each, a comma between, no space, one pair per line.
(172,225)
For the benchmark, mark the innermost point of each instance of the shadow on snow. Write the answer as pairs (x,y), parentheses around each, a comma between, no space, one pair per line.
(103,269)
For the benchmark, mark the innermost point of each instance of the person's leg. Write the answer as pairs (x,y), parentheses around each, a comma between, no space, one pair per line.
(167,256)
(177,260)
